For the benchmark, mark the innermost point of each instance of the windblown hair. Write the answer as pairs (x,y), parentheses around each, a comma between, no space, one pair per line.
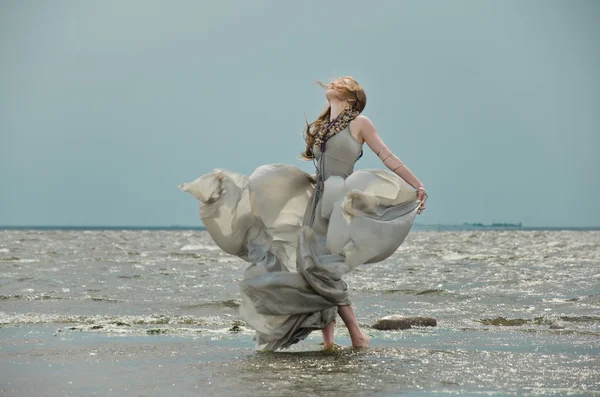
(349,90)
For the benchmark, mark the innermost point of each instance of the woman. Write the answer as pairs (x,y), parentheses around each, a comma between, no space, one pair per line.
(303,233)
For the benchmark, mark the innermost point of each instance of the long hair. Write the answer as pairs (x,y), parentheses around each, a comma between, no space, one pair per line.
(351,91)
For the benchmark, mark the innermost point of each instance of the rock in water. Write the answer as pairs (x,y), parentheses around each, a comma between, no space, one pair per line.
(557,325)
(397,321)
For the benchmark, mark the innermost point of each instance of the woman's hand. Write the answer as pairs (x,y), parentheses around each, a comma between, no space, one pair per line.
(421,196)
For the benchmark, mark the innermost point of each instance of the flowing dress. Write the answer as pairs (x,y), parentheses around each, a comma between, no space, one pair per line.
(301,234)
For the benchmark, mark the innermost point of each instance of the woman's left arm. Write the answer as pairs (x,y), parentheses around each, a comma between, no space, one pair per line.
(369,134)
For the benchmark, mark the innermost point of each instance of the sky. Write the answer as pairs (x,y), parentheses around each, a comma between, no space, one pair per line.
(106,106)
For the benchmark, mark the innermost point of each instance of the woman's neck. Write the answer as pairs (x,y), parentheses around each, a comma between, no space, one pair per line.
(337,107)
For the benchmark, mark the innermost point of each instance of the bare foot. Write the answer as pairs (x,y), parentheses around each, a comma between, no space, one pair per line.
(362,342)
(333,347)
(328,335)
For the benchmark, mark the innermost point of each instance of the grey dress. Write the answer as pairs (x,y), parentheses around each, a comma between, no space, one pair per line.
(302,234)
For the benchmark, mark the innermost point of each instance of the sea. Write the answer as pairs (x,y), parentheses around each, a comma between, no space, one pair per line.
(154,312)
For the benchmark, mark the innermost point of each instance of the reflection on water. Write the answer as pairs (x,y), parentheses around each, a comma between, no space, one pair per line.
(383,370)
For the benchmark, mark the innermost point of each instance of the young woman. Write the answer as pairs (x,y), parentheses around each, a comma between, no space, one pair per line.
(303,233)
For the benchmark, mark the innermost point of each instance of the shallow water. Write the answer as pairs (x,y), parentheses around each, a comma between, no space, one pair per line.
(517,311)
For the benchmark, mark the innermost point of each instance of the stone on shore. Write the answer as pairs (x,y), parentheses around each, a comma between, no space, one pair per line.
(397,321)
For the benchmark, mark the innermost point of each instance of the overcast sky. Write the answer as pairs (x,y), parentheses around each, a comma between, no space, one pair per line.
(106,106)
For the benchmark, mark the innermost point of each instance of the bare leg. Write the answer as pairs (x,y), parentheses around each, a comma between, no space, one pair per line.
(328,335)
(358,338)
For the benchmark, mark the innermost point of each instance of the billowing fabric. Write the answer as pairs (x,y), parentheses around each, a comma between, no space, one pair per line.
(302,233)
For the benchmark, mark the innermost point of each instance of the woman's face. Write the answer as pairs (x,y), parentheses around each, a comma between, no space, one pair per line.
(332,93)
(337,89)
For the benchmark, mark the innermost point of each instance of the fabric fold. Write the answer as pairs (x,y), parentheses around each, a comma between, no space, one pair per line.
(294,283)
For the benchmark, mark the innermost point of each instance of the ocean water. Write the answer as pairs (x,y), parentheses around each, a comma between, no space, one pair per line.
(154,312)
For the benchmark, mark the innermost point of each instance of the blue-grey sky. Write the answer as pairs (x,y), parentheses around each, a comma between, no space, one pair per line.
(105,106)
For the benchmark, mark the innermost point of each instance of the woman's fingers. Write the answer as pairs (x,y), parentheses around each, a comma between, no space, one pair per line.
(422,207)
(422,197)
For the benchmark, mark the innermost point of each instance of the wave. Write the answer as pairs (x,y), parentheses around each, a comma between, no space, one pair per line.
(7,319)
(515,322)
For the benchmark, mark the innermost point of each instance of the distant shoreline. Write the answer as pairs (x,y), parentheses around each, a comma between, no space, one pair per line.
(416,227)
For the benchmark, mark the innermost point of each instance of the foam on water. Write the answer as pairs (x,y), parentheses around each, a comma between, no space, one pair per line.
(17,319)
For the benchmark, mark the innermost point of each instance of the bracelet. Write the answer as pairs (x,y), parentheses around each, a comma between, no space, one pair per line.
(421,188)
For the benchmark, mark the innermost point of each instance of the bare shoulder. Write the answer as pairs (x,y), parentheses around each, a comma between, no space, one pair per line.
(362,126)
(363,120)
